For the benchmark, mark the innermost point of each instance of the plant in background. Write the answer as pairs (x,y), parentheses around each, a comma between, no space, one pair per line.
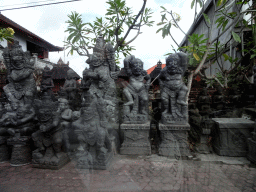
(227,15)
(82,36)
(7,34)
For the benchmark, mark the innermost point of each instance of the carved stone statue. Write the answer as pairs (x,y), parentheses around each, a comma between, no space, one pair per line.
(136,92)
(234,98)
(204,104)
(66,118)
(47,83)
(94,149)
(4,153)
(22,86)
(48,139)
(70,85)
(173,89)
(218,102)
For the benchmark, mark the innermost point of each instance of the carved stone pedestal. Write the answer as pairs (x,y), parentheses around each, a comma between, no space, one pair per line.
(230,136)
(4,153)
(203,147)
(52,161)
(21,153)
(174,140)
(136,139)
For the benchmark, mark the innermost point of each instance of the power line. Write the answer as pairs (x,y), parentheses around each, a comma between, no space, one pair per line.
(26,3)
(38,5)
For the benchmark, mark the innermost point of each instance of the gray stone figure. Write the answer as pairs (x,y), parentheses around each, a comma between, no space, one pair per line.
(48,139)
(4,153)
(173,90)
(47,83)
(18,122)
(234,98)
(22,86)
(70,85)
(218,101)
(136,92)
(174,125)
(66,118)
(204,104)
(94,149)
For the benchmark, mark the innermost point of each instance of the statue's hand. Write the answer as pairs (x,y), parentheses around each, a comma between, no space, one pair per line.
(114,75)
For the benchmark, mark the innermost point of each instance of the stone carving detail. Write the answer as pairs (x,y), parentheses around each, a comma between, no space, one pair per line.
(22,86)
(173,90)
(48,139)
(136,92)
(218,101)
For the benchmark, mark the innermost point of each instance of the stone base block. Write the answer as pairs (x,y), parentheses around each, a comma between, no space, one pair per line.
(252,150)
(230,136)
(136,139)
(174,141)
(48,164)
(21,152)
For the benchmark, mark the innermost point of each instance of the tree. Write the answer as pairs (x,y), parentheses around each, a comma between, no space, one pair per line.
(82,36)
(6,33)
(227,15)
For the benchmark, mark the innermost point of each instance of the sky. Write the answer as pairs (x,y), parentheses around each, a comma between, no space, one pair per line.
(48,22)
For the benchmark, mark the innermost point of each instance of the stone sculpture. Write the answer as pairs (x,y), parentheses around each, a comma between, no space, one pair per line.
(234,98)
(70,86)
(47,83)
(66,118)
(94,149)
(174,121)
(4,153)
(136,124)
(173,90)
(22,86)
(218,102)
(204,104)
(48,139)
(136,92)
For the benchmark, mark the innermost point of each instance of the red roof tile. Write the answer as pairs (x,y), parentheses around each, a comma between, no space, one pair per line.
(152,68)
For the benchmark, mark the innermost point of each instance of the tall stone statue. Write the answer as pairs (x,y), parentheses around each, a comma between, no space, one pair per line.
(22,86)
(48,139)
(174,121)
(136,92)
(47,83)
(173,89)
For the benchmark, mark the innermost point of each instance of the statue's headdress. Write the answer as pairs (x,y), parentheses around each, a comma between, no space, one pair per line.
(47,72)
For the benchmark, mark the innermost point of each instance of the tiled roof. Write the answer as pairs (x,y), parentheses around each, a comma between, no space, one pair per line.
(34,38)
(152,68)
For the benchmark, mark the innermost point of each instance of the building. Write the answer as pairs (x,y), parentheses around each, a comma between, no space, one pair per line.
(38,47)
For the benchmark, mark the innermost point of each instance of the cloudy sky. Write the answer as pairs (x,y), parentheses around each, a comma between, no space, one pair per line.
(48,22)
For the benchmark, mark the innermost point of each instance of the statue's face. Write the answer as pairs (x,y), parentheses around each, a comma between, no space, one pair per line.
(45,114)
(137,68)
(8,107)
(15,106)
(20,113)
(172,66)
(63,106)
(18,86)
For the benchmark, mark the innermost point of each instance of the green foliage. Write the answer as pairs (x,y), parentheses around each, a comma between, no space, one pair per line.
(83,36)
(195,49)
(7,34)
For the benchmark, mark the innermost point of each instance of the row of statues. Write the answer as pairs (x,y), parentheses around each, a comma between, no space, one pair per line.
(48,126)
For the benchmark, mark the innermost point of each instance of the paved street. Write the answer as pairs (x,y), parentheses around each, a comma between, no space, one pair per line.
(136,173)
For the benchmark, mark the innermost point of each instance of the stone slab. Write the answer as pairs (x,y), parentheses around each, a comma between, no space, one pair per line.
(251,156)
(230,136)
(136,139)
